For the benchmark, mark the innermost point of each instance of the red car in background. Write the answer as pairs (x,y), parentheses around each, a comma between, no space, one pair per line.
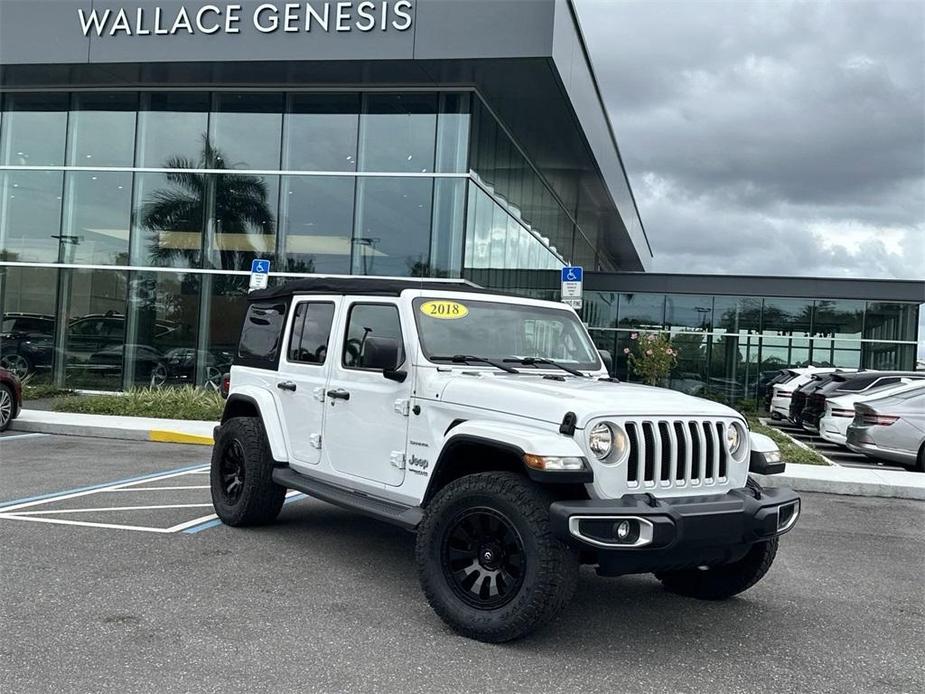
(10,398)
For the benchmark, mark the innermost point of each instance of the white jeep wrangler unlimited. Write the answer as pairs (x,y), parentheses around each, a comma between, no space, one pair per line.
(488,424)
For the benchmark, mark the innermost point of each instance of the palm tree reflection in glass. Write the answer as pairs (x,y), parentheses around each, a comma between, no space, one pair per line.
(239,222)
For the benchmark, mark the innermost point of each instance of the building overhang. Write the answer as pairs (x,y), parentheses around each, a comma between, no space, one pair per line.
(526,58)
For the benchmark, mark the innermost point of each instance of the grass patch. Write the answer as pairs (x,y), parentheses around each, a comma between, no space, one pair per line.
(185,402)
(44,390)
(790,451)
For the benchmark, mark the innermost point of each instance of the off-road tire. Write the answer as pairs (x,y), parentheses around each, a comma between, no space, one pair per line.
(726,580)
(550,569)
(260,499)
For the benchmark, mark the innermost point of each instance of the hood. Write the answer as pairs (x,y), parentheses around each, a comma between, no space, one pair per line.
(533,396)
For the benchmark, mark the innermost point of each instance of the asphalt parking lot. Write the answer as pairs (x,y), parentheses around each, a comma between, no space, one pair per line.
(325,600)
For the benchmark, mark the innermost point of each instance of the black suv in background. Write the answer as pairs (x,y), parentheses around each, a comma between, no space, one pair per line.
(844,383)
(801,394)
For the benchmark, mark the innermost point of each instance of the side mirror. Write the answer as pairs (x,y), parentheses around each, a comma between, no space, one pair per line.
(397,375)
(608,360)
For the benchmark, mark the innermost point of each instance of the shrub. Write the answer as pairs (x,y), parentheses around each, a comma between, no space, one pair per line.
(653,357)
(185,402)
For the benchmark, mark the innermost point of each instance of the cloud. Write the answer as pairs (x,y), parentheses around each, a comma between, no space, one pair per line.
(773,138)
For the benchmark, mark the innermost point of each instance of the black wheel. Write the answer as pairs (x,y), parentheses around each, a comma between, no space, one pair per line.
(243,491)
(7,407)
(723,581)
(158,377)
(920,459)
(488,563)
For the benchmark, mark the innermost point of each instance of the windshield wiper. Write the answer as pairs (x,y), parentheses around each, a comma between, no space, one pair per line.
(466,358)
(542,361)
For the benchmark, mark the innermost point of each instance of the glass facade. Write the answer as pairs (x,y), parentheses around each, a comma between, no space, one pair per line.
(728,347)
(129,219)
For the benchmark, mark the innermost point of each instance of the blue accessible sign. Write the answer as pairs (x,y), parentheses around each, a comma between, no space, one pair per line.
(572,283)
(260,274)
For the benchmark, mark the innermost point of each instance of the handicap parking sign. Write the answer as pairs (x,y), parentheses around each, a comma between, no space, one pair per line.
(572,282)
(260,274)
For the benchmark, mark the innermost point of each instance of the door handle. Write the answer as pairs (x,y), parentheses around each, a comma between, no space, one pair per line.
(339,394)
(286,385)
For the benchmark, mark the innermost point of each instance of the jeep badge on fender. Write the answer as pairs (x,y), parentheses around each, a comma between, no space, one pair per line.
(488,425)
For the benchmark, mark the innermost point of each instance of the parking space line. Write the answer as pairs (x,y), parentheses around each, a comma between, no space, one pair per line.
(19,436)
(111,508)
(90,490)
(63,521)
(212,521)
(17,503)
(154,489)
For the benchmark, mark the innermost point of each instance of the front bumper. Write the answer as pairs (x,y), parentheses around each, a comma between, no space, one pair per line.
(675,533)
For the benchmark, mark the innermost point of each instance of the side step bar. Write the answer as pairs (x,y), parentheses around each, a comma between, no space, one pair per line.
(407,517)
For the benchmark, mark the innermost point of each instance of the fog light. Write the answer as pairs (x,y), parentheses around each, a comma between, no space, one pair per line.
(623,530)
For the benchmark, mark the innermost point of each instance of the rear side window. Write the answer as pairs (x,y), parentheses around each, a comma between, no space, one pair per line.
(261,335)
(311,330)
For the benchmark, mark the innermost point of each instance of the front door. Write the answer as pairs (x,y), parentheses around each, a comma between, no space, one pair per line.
(303,372)
(366,420)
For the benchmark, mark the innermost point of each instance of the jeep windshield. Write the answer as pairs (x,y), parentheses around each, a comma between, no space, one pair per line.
(505,333)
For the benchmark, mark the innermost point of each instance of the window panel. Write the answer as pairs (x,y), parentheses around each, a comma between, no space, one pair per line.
(689,311)
(736,314)
(168,219)
(393,226)
(786,316)
(102,129)
(244,221)
(311,332)
(645,311)
(27,324)
(838,318)
(34,129)
(162,330)
(317,223)
(173,130)
(95,338)
(890,321)
(321,132)
(30,215)
(453,133)
(398,132)
(97,207)
(245,131)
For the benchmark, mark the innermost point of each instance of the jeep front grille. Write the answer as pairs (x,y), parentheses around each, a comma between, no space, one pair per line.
(676,453)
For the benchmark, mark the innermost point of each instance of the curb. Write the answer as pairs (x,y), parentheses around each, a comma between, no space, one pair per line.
(873,485)
(102,431)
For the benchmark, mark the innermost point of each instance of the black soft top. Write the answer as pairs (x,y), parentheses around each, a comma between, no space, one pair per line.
(367,286)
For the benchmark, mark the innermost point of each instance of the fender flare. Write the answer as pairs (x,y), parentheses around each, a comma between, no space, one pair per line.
(263,402)
(515,439)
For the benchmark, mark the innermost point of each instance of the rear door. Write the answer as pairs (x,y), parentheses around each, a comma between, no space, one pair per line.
(304,369)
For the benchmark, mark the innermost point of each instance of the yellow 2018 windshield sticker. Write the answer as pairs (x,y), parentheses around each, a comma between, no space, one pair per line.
(445,310)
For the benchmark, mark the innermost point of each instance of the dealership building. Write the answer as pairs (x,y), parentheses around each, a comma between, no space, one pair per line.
(149,151)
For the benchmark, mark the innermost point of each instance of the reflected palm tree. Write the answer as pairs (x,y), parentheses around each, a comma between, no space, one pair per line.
(226,204)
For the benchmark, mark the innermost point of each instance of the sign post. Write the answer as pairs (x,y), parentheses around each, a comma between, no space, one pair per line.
(572,282)
(260,274)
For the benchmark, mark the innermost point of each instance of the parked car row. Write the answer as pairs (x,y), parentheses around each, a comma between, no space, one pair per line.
(878,413)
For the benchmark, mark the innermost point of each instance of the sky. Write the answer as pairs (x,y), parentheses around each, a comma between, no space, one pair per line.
(778,138)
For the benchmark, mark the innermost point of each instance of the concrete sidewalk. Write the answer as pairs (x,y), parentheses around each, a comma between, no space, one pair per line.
(898,484)
(112,427)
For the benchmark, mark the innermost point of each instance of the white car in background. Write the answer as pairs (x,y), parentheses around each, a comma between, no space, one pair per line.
(839,412)
(782,392)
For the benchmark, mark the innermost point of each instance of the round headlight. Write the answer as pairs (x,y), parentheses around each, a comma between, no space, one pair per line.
(734,439)
(600,440)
